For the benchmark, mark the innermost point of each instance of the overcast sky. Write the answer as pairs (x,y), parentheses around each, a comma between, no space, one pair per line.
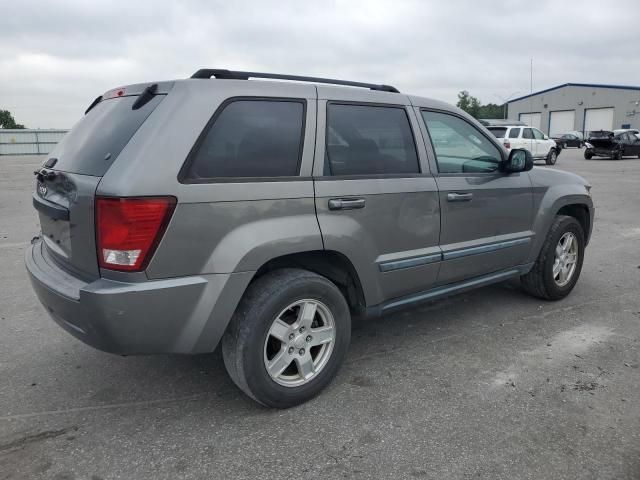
(56,57)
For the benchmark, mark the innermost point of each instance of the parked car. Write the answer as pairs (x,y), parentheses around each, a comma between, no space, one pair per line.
(264,215)
(609,144)
(568,140)
(635,131)
(529,138)
(498,122)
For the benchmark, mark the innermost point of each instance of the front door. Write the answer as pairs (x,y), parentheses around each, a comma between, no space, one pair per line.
(377,203)
(486,215)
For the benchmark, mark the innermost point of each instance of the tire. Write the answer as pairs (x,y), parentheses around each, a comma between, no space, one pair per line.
(617,155)
(564,145)
(540,281)
(588,155)
(552,157)
(248,341)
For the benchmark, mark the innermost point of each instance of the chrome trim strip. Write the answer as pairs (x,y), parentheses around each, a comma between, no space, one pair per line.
(410,262)
(463,252)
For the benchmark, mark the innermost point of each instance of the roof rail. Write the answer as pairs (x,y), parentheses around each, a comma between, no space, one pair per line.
(234,75)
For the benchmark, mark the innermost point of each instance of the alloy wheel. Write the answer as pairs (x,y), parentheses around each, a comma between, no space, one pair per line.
(299,343)
(566,259)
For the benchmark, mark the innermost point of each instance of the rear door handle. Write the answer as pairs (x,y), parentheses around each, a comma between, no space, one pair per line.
(459,197)
(346,203)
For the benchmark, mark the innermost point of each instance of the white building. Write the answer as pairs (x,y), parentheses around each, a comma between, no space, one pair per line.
(583,107)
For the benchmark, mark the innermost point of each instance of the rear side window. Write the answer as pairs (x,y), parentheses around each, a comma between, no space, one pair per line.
(514,133)
(250,138)
(369,140)
(499,132)
(98,138)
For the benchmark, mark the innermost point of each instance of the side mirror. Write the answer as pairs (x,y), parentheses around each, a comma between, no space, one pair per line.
(520,160)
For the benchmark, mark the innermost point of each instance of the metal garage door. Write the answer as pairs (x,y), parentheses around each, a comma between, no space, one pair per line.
(598,119)
(531,119)
(561,122)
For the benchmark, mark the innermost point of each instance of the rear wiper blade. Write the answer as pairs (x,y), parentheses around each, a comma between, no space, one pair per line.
(146,95)
(93,104)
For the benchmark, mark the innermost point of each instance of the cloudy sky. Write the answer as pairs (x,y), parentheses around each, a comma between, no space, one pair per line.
(56,57)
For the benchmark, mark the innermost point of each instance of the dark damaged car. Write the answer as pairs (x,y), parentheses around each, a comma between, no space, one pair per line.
(604,143)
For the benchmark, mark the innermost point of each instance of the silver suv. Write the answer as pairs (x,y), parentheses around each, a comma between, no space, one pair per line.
(264,215)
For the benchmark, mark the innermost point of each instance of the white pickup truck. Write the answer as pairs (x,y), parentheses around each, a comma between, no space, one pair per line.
(529,138)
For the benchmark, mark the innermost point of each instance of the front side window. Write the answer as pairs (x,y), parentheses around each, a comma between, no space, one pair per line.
(251,138)
(538,134)
(369,140)
(459,146)
(527,133)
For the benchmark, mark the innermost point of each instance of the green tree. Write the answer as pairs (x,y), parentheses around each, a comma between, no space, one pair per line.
(7,120)
(473,107)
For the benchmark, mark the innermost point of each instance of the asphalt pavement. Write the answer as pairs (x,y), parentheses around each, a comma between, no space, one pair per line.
(489,384)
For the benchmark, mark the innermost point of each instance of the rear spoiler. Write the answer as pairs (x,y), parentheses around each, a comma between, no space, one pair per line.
(144,92)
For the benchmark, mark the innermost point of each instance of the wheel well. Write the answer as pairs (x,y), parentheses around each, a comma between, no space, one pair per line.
(332,265)
(579,212)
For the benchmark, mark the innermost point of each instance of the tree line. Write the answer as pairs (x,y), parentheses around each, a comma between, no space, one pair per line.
(7,120)
(473,107)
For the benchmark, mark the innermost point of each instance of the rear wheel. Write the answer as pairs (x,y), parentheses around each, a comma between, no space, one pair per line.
(559,263)
(552,157)
(617,155)
(287,338)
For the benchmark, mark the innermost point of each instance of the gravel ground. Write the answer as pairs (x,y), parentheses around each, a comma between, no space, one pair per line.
(490,384)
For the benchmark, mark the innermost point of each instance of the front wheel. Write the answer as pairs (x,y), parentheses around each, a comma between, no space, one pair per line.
(287,338)
(559,262)
(588,155)
(552,157)
(617,155)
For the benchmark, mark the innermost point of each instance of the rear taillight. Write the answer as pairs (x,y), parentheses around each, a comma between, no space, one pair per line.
(128,230)
(507,144)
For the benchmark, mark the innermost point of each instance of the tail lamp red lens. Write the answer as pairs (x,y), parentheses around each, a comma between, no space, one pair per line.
(128,230)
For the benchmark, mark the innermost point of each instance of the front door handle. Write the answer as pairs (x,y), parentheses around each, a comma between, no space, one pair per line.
(346,203)
(459,197)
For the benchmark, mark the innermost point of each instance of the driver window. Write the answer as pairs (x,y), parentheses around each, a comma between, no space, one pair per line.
(460,147)
(538,134)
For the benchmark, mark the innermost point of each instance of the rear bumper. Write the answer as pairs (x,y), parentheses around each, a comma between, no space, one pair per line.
(176,315)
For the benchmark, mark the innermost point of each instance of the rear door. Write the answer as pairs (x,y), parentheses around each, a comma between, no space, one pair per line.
(541,145)
(632,144)
(528,141)
(67,183)
(486,215)
(376,200)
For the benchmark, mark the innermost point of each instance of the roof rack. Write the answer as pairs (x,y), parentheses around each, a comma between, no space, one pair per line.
(234,75)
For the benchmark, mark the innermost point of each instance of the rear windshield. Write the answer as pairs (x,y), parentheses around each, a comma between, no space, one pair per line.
(499,132)
(600,134)
(98,138)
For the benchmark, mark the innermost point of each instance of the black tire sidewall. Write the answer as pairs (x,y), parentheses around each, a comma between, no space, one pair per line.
(258,380)
(568,224)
